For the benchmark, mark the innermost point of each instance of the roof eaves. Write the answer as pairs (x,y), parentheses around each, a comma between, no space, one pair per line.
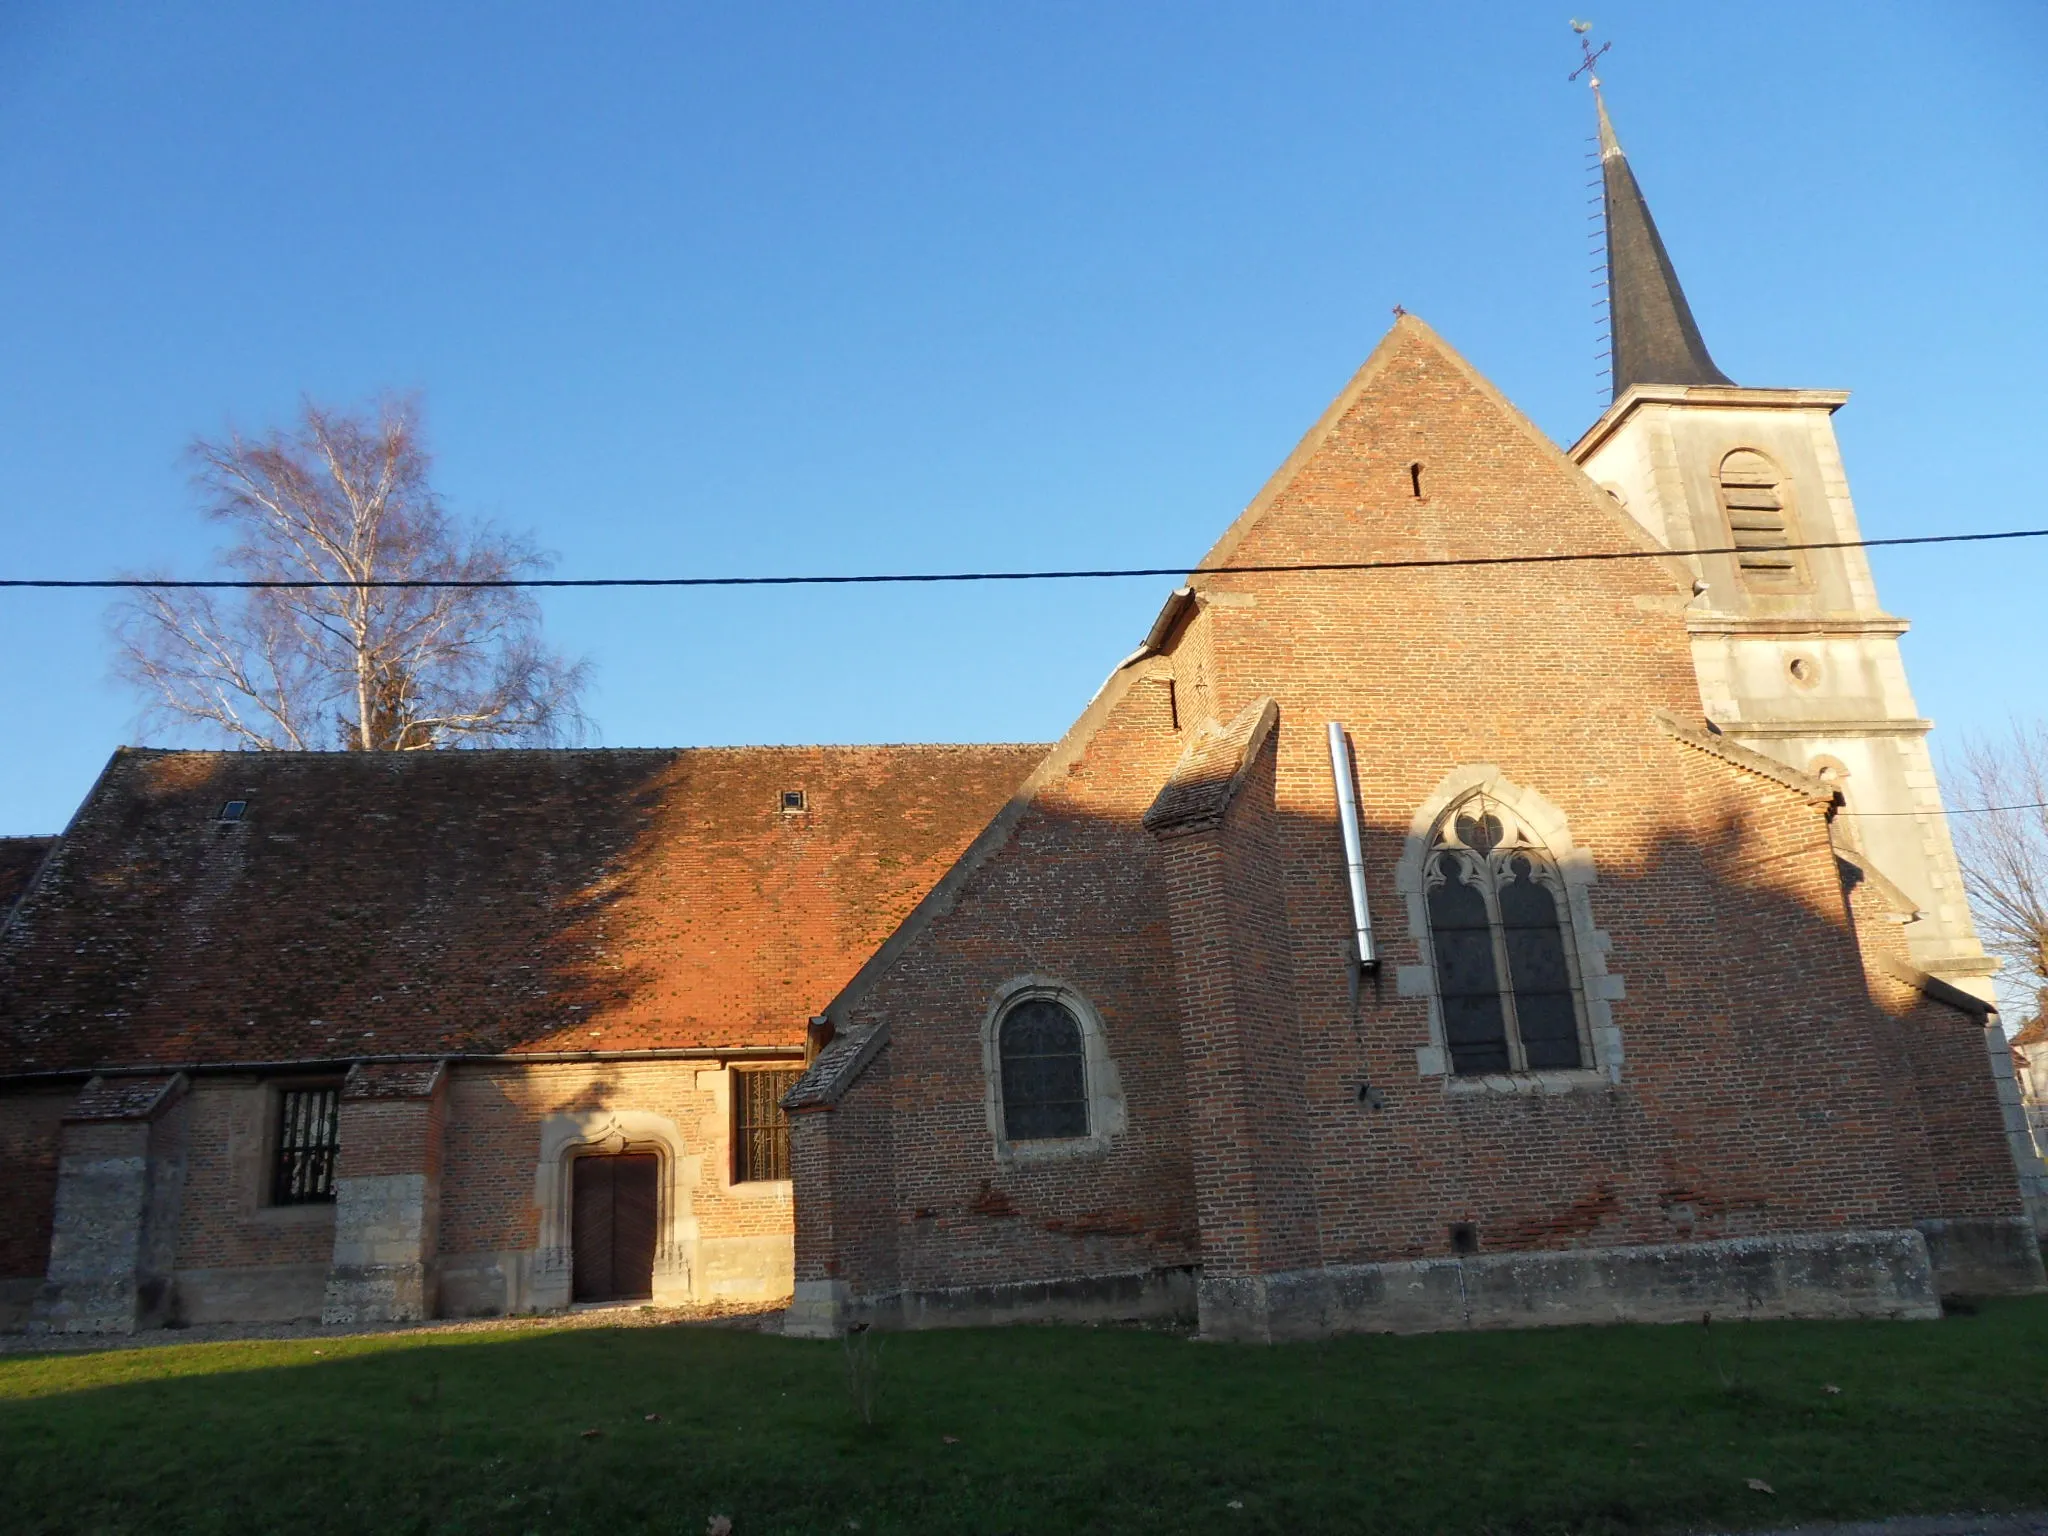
(835,1070)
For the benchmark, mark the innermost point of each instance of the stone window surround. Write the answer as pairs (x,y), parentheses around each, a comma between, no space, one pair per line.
(262,1171)
(1599,989)
(1800,578)
(1106,1113)
(565,1137)
(718,1129)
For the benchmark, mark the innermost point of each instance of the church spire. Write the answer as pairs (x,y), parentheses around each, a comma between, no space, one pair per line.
(1655,340)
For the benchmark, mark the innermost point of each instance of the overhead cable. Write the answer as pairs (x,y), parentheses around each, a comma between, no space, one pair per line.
(933,577)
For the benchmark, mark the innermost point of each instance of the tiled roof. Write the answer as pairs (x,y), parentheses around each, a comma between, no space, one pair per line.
(19,858)
(475,902)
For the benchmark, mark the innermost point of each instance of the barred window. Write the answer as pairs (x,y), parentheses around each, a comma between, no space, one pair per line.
(1501,932)
(308,1143)
(1045,1078)
(760,1130)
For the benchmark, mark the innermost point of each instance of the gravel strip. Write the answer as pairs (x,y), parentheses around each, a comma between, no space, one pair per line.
(749,1315)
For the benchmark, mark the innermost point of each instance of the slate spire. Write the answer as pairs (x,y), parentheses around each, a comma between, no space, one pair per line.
(1655,338)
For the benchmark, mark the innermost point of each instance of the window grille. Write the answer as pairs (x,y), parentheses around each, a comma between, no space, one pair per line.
(1507,979)
(308,1143)
(760,1136)
(1759,522)
(1045,1079)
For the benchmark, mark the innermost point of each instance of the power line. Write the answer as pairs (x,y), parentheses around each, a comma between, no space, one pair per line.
(1954,810)
(926,578)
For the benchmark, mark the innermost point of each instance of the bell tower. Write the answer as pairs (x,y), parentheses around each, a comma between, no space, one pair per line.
(1796,656)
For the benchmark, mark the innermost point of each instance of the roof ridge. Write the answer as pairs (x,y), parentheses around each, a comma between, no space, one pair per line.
(459,754)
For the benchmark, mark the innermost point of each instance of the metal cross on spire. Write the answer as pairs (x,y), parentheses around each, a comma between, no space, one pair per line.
(1592,54)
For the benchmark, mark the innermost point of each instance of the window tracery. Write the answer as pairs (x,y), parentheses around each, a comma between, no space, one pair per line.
(1500,928)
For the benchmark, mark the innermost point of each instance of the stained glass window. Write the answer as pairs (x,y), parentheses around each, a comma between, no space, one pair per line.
(1505,977)
(1045,1079)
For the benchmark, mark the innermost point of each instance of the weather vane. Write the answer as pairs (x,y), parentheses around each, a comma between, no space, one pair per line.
(1592,54)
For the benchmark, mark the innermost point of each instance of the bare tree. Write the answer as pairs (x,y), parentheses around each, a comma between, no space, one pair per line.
(2003,845)
(346,498)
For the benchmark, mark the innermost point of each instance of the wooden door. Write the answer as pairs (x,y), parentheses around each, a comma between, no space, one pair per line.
(613,1211)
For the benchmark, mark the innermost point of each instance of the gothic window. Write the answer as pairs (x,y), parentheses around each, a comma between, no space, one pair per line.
(1754,499)
(1044,1072)
(1500,929)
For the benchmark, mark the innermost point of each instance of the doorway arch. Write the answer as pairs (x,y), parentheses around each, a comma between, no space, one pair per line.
(616,1132)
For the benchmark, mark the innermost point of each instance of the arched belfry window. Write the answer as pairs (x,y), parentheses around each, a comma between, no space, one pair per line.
(1500,929)
(1757,504)
(1045,1072)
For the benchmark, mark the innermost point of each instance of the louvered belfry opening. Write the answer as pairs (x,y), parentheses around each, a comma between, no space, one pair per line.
(614,1210)
(1759,521)
(308,1145)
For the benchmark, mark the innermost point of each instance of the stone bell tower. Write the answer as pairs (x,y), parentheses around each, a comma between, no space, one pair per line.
(1796,656)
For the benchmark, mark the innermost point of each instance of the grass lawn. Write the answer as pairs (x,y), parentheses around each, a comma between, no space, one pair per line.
(1034,1429)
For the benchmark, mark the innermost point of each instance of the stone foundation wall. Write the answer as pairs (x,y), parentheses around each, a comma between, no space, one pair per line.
(1869,1274)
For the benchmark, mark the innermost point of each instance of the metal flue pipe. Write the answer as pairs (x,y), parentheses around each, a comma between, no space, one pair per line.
(1354,851)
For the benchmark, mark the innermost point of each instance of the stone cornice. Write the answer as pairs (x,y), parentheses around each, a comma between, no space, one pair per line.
(1822,725)
(1821,624)
(1722,396)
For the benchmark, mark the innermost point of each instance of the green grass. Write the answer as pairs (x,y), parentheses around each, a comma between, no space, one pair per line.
(1056,1430)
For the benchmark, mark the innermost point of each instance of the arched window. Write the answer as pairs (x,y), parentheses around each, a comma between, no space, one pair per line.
(1045,1073)
(1760,526)
(1501,932)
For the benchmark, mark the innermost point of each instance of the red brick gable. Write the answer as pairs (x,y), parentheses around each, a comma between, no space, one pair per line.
(374,905)
(1417,417)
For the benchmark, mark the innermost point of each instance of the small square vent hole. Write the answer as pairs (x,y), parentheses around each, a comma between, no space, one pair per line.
(1464,1237)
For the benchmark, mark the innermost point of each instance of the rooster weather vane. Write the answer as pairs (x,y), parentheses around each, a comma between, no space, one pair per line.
(1591,54)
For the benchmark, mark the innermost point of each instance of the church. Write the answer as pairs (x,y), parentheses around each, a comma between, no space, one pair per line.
(1505,885)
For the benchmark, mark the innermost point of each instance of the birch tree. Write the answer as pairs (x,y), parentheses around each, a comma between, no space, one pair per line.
(346,498)
(2003,845)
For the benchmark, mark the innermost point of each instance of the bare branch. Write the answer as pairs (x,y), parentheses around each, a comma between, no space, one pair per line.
(2004,853)
(347,497)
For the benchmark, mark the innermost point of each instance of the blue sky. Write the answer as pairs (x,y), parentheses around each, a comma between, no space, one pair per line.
(773,288)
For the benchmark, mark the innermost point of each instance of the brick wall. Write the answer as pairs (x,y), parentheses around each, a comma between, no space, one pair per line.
(226,1220)
(1077,892)
(1752,1097)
